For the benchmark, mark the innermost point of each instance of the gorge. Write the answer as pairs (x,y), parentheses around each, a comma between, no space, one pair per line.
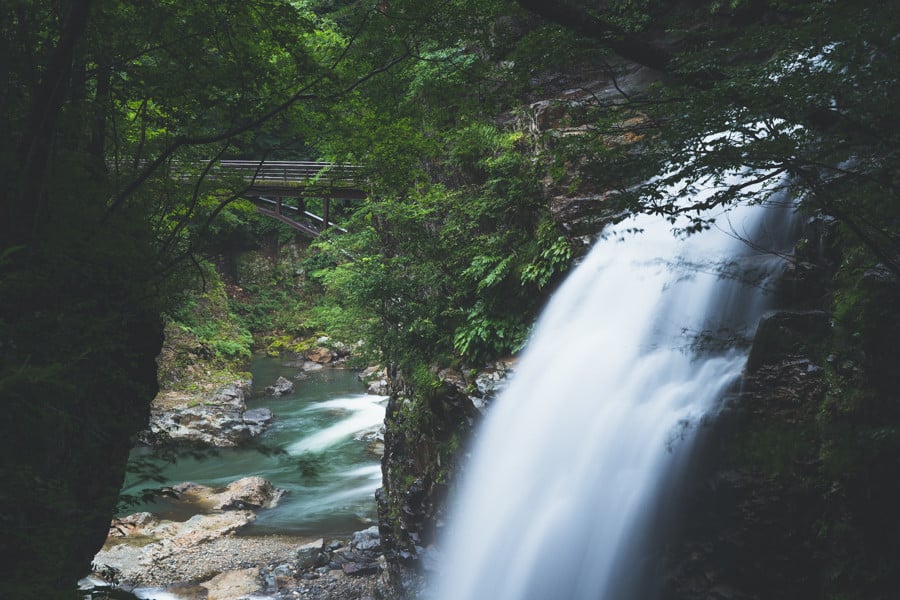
(494,140)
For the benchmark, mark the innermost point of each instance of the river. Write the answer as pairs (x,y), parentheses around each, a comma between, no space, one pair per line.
(321,451)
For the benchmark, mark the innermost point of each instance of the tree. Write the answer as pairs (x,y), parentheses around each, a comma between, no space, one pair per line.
(111,115)
(803,87)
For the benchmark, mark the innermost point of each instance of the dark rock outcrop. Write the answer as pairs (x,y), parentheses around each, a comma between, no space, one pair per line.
(425,440)
(77,373)
(782,334)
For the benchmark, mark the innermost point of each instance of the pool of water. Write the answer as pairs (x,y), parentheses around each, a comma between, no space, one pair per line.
(319,450)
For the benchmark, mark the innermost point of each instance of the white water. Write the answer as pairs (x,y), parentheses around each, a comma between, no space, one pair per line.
(562,496)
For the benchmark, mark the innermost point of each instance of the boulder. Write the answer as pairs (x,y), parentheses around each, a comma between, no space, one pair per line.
(220,420)
(281,387)
(158,541)
(258,419)
(311,555)
(320,355)
(245,493)
(367,539)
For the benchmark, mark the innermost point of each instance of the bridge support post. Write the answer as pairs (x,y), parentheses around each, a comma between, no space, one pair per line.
(326,212)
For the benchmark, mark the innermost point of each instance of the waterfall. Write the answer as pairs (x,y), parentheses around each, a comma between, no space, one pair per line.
(571,468)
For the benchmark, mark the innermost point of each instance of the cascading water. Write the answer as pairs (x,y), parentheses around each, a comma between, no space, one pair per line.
(571,465)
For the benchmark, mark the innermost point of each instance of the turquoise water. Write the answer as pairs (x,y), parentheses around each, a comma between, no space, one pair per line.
(319,450)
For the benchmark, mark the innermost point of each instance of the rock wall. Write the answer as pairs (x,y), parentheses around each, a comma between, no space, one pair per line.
(426,438)
(796,494)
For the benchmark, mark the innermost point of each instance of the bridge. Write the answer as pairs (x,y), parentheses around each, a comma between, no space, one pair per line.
(270,182)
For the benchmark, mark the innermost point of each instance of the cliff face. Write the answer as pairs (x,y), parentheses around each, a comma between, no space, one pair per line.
(425,439)
(796,491)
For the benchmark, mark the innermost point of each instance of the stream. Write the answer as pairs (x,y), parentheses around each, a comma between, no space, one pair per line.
(321,451)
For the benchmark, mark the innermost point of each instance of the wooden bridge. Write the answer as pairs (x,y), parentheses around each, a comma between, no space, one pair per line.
(269,183)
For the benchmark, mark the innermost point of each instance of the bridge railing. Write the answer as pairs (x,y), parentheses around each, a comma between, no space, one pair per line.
(291,172)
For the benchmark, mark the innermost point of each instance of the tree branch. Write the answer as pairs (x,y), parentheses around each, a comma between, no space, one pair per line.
(184,141)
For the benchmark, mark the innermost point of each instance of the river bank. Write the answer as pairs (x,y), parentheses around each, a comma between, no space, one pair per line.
(270,566)
(304,538)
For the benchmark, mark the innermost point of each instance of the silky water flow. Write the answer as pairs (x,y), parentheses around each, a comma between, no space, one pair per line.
(581,453)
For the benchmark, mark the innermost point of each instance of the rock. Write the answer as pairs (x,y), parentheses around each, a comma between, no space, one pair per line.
(355,568)
(581,215)
(454,377)
(311,555)
(490,381)
(784,333)
(132,525)
(367,539)
(320,355)
(217,420)
(233,585)
(258,419)
(159,541)
(376,380)
(245,493)
(281,387)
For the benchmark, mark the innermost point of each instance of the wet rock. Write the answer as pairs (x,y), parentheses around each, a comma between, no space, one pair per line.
(258,419)
(281,387)
(367,539)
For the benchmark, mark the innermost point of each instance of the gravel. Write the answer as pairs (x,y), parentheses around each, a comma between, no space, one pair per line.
(273,556)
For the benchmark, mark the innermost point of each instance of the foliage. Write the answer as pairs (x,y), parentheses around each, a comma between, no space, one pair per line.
(451,274)
(110,114)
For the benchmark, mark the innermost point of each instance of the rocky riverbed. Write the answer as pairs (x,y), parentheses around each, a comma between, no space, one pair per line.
(207,557)
(203,547)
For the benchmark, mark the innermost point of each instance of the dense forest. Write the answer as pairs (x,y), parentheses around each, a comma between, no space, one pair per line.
(113,223)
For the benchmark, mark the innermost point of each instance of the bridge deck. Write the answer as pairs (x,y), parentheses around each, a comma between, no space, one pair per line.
(295,179)
(333,179)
